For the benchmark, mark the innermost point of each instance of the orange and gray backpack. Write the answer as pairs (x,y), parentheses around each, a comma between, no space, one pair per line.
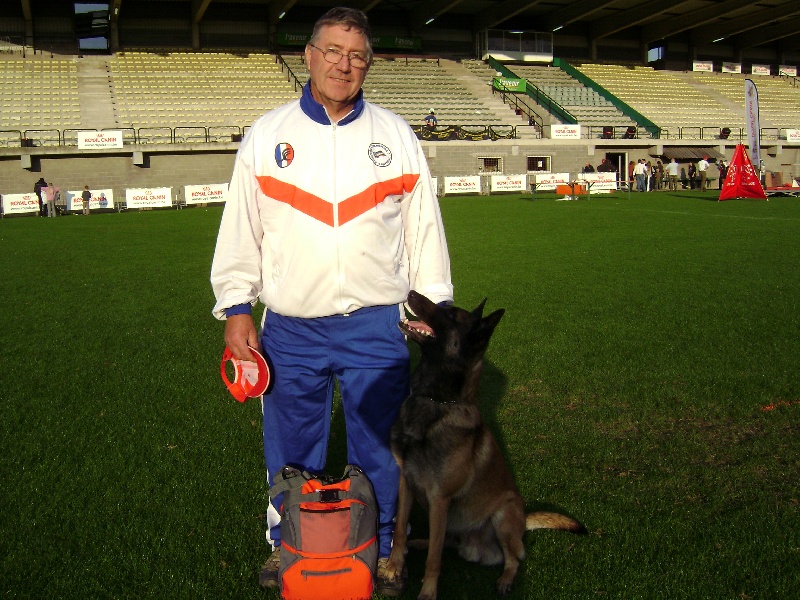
(329,545)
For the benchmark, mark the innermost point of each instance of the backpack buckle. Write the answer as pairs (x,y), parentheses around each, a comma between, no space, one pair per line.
(329,495)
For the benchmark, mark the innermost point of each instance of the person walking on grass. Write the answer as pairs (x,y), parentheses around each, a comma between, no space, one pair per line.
(330,220)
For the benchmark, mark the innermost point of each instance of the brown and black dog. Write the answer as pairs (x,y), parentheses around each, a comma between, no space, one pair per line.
(449,460)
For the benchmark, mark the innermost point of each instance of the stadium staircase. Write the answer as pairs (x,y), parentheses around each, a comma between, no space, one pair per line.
(94,93)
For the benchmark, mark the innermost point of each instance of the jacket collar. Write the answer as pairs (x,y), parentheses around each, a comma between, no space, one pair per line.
(316,112)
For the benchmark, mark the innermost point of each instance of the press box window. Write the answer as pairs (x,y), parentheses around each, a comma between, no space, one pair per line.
(490,165)
(538,164)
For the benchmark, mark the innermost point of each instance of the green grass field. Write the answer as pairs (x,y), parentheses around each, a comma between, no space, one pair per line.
(644,379)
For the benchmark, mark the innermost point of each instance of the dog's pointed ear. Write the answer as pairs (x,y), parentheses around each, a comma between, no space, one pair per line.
(478,312)
(493,319)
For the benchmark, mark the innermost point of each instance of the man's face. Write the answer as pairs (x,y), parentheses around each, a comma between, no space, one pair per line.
(336,86)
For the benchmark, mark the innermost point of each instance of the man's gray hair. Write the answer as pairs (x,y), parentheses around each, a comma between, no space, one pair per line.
(347,18)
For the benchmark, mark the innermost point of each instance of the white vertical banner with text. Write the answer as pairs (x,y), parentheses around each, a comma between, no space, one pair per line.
(752,122)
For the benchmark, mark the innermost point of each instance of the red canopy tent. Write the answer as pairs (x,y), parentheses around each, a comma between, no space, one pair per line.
(742,180)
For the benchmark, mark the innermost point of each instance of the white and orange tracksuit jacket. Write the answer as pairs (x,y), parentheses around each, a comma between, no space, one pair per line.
(323,219)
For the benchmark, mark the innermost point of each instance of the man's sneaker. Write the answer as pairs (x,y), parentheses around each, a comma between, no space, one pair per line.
(268,576)
(389,587)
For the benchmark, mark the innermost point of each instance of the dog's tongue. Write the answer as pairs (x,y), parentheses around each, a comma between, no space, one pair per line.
(421,326)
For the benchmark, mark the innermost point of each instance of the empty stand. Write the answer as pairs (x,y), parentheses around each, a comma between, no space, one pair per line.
(38,94)
(664,97)
(587,105)
(185,89)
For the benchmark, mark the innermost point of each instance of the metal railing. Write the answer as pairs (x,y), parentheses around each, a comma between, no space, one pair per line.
(220,134)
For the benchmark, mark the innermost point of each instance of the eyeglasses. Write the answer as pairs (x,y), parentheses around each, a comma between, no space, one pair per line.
(334,57)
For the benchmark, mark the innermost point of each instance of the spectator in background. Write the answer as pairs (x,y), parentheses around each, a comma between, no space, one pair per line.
(692,176)
(702,167)
(37,189)
(672,175)
(723,172)
(587,168)
(86,196)
(659,175)
(631,174)
(640,172)
(431,120)
(50,193)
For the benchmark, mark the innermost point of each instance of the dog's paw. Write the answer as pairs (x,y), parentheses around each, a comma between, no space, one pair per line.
(504,586)
(428,591)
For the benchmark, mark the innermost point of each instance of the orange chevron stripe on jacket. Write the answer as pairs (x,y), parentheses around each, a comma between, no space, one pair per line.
(350,208)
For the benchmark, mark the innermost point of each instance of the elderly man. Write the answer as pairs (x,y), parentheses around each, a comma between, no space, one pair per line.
(330,220)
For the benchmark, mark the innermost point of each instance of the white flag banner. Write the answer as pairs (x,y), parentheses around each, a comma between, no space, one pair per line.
(752,122)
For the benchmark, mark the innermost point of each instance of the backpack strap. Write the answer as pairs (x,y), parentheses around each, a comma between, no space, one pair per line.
(289,479)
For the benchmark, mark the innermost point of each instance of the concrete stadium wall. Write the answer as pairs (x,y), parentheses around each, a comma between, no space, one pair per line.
(116,171)
(183,165)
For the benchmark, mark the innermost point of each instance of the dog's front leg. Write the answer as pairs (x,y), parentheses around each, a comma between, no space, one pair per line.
(405,499)
(437,525)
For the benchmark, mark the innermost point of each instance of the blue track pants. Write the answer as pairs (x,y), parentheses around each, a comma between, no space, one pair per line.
(366,352)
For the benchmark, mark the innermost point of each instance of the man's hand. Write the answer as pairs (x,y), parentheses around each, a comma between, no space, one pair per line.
(240,336)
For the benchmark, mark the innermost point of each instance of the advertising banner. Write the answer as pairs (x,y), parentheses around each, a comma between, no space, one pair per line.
(100,199)
(462,185)
(91,140)
(508,183)
(200,194)
(703,66)
(729,67)
(148,197)
(508,84)
(601,182)
(793,135)
(752,122)
(549,181)
(787,70)
(17,204)
(760,70)
(565,132)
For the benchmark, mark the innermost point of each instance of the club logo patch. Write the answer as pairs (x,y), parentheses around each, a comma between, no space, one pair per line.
(380,155)
(284,155)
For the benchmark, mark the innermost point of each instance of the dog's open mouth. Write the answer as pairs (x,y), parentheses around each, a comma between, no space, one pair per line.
(416,327)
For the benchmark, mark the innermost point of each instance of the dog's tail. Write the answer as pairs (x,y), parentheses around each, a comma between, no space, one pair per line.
(552,520)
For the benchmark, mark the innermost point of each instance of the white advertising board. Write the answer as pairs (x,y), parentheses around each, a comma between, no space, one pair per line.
(199,194)
(549,181)
(565,132)
(16,204)
(730,67)
(91,140)
(462,185)
(793,135)
(100,199)
(760,70)
(703,66)
(148,197)
(601,182)
(509,183)
(787,70)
